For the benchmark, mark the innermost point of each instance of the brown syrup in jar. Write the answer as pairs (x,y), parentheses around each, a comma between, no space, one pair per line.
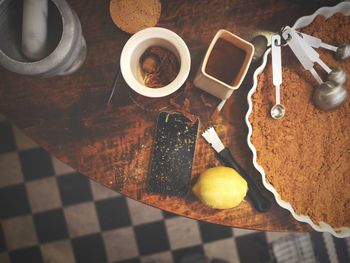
(225,61)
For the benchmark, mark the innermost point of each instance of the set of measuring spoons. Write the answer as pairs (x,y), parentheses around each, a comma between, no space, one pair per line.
(329,94)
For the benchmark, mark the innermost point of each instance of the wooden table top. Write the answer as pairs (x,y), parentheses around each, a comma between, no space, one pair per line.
(68,116)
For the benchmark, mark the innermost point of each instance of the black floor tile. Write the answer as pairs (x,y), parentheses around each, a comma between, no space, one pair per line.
(50,225)
(89,249)
(27,255)
(113,213)
(7,141)
(180,254)
(319,247)
(212,232)
(13,201)
(36,163)
(2,240)
(253,248)
(74,188)
(151,238)
(169,215)
(342,250)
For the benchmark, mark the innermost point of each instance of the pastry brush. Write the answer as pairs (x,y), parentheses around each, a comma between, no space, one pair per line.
(261,203)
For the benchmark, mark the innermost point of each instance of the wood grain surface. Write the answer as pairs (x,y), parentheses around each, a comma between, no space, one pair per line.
(112,145)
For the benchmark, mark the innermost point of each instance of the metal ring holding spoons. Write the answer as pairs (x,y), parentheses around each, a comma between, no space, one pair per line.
(285,41)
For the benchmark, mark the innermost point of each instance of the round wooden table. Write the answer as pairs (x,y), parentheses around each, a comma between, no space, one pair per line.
(112,145)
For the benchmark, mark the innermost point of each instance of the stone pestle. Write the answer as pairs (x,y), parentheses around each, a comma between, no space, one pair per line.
(34,29)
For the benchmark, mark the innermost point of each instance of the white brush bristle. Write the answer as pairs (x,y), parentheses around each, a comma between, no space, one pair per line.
(213,139)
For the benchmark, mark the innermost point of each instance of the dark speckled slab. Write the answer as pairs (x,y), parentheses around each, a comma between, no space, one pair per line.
(173,153)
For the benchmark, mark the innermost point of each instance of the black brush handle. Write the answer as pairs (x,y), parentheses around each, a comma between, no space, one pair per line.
(260,202)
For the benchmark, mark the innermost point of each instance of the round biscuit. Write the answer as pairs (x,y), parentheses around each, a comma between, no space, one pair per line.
(133,15)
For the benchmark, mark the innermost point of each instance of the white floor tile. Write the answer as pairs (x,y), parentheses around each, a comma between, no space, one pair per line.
(273,236)
(182,232)
(100,192)
(81,219)
(222,249)
(10,167)
(23,142)
(163,257)
(120,244)
(141,213)
(60,251)
(43,194)
(19,232)
(61,168)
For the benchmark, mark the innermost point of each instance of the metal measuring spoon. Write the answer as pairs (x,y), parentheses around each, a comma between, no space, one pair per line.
(260,45)
(278,110)
(329,96)
(338,76)
(342,52)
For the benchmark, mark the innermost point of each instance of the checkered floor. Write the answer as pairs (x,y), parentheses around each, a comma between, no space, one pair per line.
(49,213)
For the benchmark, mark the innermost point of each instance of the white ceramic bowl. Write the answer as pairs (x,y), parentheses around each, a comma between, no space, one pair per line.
(344,8)
(137,45)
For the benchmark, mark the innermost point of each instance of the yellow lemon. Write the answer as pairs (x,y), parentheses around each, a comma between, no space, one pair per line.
(221,188)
